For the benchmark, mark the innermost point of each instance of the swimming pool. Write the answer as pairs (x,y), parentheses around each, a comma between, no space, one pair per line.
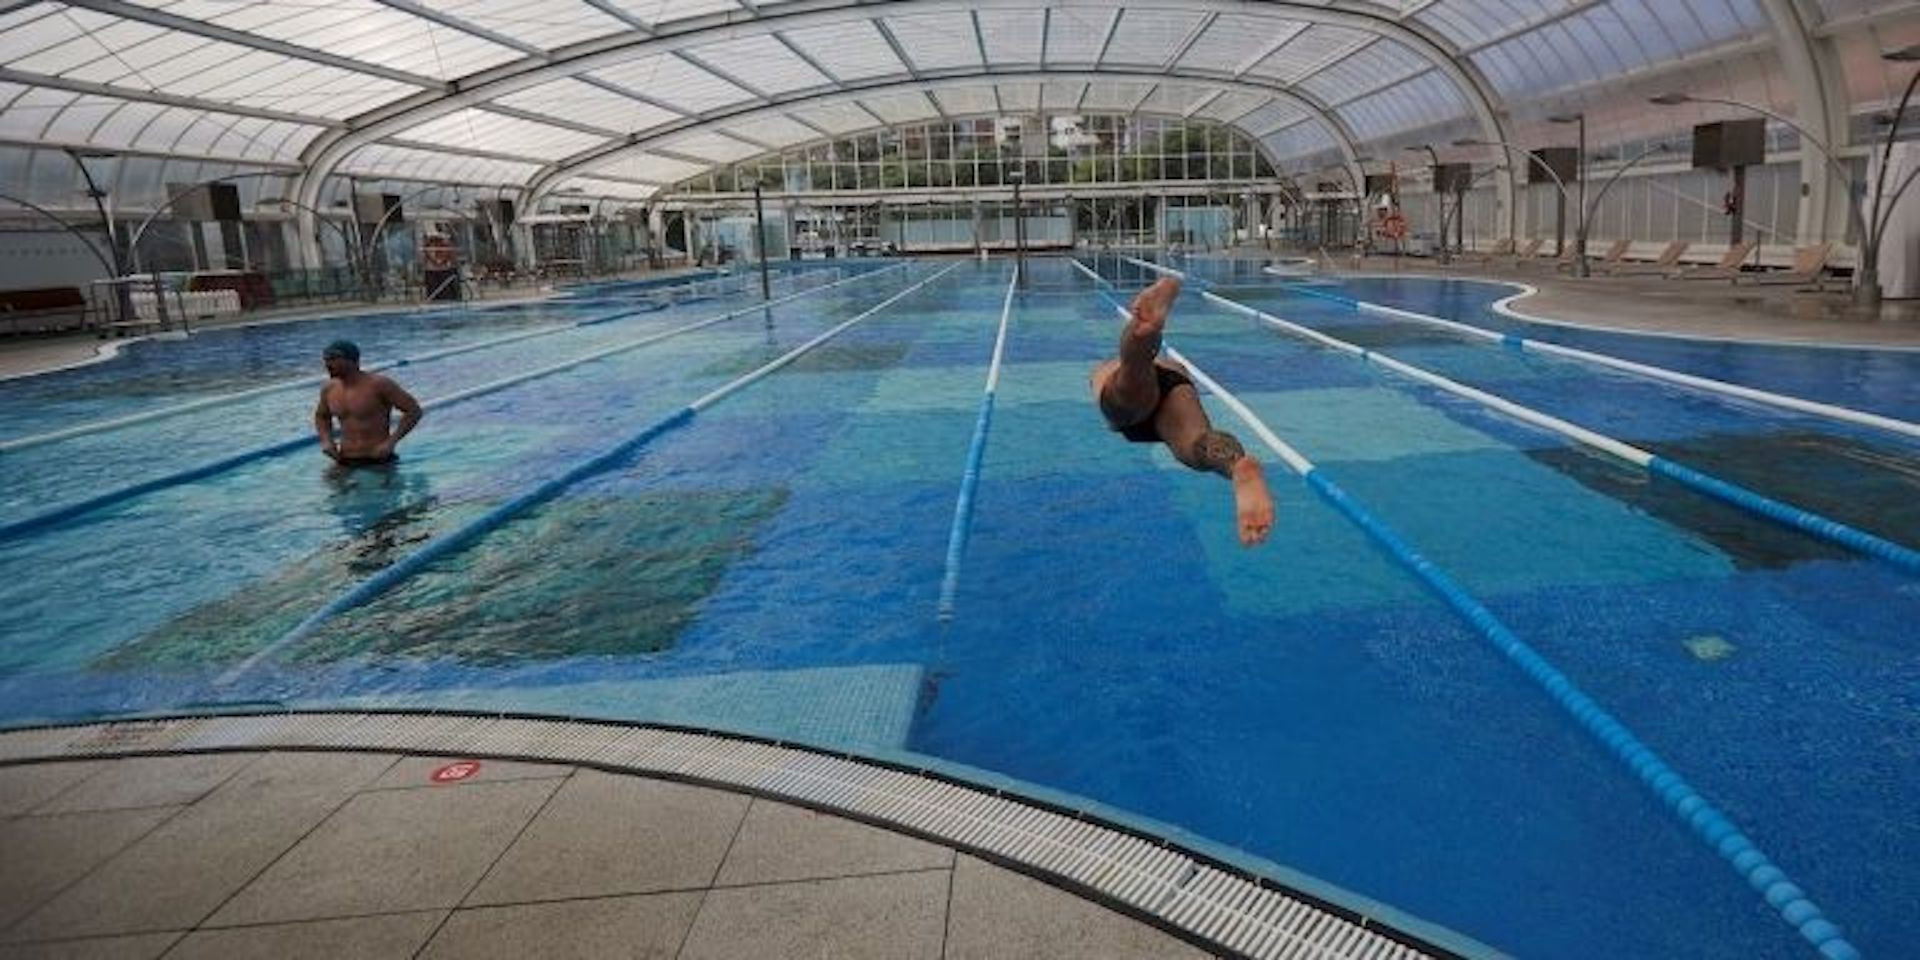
(774,564)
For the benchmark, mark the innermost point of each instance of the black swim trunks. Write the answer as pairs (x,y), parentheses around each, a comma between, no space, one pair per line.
(367,461)
(1144,431)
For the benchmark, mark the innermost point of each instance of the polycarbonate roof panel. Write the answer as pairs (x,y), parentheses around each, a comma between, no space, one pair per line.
(649,168)
(1061,95)
(1150,37)
(406,163)
(937,41)
(85,46)
(1379,64)
(835,117)
(904,107)
(850,51)
(675,82)
(1299,140)
(962,101)
(357,29)
(1019,97)
(494,133)
(1234,41)
(617,189)
(1076,35)
(1270,117)
(1175,98)
(547,24)
(1011,36)
(708,145)
(582,102)
(776,130)
(1425,100)
(1115,97)
(762,61)
(667,11)
(249,137)
(1310,50)
(1231,104)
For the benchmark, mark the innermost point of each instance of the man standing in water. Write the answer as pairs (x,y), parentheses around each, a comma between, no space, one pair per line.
(1150,400)
(364,404)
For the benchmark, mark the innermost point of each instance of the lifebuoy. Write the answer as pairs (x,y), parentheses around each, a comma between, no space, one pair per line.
(438,256)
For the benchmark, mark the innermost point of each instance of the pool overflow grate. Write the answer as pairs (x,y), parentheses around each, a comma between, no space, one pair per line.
(1180,892)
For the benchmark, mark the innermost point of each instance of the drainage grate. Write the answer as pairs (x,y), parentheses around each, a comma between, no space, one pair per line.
(1177,891)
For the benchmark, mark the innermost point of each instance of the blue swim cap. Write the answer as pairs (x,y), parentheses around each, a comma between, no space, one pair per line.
(344,349)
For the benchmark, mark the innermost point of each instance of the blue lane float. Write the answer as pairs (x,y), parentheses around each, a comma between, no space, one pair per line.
(1686,804)
(147,416)
(61,514)
(1798,518)
(451,542)
(976,453)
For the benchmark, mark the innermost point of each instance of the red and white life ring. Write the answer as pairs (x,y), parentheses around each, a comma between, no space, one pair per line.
(438,256)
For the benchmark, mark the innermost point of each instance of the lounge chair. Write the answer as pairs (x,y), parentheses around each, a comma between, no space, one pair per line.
(1501,248)
(1531,251)
(1667,262)
(1726,269)
(1809,264)
(1615,251)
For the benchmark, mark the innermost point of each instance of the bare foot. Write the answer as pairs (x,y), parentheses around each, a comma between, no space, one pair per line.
(1150,308)
(1252,504)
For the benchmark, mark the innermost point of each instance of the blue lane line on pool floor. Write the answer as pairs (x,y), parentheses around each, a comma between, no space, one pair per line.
(1798,518)
(1693,810)
(453,541)
(976,453)
(58,515)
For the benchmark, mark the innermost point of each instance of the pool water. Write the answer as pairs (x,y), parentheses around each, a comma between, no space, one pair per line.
(773,567)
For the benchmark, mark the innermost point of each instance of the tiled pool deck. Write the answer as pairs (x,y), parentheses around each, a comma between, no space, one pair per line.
(323,835)
(364,855)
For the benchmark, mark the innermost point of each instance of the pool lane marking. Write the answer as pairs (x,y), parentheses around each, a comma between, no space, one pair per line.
(976,452)
(61,514)
(1694,811)
(1785,401)
(147,416)
(451,542)
(1786,514)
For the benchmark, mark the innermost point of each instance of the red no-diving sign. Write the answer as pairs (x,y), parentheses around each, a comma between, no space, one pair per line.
(456,771)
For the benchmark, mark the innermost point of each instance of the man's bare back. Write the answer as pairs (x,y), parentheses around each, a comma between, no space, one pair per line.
(363,404)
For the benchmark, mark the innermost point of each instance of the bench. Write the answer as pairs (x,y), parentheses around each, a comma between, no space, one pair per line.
(43,309)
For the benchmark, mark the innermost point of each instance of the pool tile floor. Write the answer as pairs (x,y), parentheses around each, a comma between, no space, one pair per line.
(336,855)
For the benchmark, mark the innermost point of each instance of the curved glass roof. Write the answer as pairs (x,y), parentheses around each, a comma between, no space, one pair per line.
(622,97)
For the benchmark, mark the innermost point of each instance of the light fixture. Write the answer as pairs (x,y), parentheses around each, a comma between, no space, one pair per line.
(1906,55)
(1566,118)
(1670,99)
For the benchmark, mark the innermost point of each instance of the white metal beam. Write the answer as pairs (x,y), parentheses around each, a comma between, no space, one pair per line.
(69,85)
(200,28)
(928,82)
(468,27)
(331,148)
(1820,103)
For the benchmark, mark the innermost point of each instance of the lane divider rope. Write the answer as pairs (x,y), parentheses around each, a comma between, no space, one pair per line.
(453,541)
(1815,408)
(976,452)
(61,514)
(1694,811)
(148,416)
(1785,514)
